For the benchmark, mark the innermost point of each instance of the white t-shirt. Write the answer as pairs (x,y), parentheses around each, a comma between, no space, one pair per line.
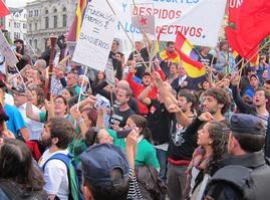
(34,127)
(55,175)
(9,99)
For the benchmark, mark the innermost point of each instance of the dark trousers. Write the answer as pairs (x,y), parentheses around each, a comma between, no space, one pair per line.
(176,179)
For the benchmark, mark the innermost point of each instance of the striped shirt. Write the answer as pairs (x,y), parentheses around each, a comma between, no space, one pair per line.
(134,192)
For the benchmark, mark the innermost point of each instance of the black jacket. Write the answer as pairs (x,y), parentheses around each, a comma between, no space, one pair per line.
(223,190)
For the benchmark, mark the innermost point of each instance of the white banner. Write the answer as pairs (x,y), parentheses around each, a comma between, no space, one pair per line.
(6,51)
(97,33)
(109,72)
(198,20)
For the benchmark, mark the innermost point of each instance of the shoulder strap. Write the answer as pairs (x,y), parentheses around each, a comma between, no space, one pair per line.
(59,156)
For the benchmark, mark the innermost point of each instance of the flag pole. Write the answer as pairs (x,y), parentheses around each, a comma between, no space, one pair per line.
(244,65)
(123,28)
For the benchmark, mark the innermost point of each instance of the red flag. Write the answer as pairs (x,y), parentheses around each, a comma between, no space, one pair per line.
(248,26)
(3,9)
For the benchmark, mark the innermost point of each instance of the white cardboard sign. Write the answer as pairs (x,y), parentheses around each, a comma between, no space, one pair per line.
(97,33)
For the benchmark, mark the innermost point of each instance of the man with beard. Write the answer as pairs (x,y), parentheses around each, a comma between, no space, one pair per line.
(259,101)
(58,136)
(138,88)
(182,145)
(244,173)
(122,111)
(258,108)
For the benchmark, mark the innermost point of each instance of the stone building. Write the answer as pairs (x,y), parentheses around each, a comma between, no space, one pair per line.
(16,25)
(45,17)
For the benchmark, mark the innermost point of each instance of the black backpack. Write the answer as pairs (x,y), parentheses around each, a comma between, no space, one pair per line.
(252,183)
(151,186)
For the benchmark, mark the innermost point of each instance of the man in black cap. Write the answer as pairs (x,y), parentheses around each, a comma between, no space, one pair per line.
(245,174)
(107,174)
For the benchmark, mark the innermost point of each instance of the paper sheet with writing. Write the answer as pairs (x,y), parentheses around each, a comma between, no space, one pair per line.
(6,51)
(145,23)
(97,33)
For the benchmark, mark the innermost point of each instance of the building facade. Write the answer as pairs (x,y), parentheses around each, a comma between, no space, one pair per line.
(16,24)
(46,17)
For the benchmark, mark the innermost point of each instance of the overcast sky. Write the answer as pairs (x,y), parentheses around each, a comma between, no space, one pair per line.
(17,3)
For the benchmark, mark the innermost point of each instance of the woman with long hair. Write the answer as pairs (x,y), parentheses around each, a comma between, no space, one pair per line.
(19,178)
(38,97)
(146,154)
(212,141)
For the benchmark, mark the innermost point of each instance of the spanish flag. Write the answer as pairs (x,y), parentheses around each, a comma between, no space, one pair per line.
(169,56)
(75,28)
(184,48)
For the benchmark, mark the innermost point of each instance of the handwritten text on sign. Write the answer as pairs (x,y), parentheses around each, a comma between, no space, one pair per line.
(96,36)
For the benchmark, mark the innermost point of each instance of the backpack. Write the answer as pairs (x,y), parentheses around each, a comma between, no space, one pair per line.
(74,174)
(151,186)
(252,183)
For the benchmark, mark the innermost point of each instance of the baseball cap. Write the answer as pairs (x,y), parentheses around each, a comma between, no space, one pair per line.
(246,124)
(100,160)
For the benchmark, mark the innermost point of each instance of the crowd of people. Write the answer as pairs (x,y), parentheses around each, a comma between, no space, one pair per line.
(156,134)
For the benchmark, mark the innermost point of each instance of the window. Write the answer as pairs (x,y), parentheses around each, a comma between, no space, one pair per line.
(55,10)
(9,24)
(17,35)
(64,9)
(30,27)
(35,26)
(46,12)
(30,13)
(24,25)
(64,20)
(46,22)
(35,43)
(55,21)
(36,12)
(30,41)
(16,25)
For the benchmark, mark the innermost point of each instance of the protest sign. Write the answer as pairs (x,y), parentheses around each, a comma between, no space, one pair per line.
(97,33)
(6,51)
(109,72)
(198,20)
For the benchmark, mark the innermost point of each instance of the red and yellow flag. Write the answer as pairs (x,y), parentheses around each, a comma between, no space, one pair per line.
(75,28)
(184,48)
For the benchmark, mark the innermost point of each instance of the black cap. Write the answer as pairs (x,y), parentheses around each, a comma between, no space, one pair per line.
(99,161)
(246,124)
